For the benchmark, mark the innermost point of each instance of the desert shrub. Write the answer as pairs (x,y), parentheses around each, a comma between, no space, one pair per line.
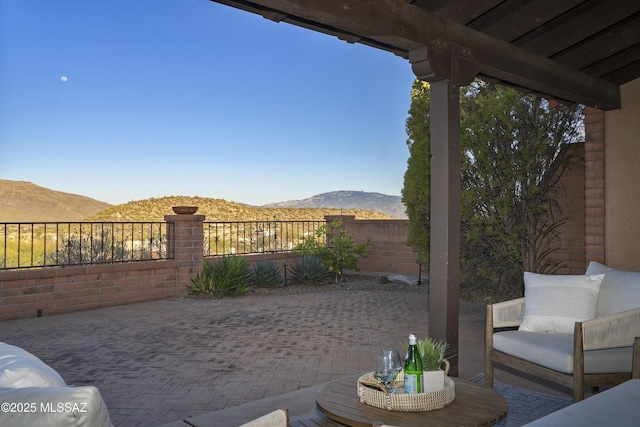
(341,253)
(308,269)
(267,274)
(227,276)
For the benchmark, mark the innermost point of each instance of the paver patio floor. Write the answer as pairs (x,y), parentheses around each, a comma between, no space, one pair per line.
(161,361)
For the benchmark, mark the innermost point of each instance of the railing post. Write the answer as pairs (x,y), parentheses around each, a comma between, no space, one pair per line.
(185,241)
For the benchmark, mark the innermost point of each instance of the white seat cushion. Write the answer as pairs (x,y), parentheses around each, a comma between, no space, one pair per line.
(555,351)
(55,406)
(620,290)
(617,406)
(277,418)
(19,368)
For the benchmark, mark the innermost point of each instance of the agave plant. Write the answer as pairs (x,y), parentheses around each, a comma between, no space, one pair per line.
(267,274)
(309,269)
(228,276)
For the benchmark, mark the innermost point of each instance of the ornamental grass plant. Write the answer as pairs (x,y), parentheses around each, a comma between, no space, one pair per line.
(432,353)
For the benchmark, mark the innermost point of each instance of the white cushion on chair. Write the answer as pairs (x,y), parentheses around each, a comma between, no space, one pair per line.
(555,351)
(277,418)
(620,290)
(553,303)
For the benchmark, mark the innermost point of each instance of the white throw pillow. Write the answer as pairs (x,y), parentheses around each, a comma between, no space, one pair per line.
(553,303)
(620,290)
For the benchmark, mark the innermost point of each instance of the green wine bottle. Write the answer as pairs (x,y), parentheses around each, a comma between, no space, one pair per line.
(413,368)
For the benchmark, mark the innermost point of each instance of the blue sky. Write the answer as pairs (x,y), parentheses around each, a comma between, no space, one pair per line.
(132,99)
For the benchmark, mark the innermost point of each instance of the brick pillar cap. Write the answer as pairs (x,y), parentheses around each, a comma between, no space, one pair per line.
(185,217)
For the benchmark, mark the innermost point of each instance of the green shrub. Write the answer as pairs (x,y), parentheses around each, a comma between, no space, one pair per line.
(308,269)
(267,274)
(341,253)
(227,276)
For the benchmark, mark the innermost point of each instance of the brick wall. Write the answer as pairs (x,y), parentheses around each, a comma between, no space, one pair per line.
(572,203)
(48,291)
(44,292)
(389,252)
(594,185)
(278,257)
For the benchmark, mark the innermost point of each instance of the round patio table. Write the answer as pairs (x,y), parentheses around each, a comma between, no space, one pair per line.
(474,405)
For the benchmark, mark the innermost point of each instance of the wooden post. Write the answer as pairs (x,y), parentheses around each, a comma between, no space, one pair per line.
(444,272)
(446,70)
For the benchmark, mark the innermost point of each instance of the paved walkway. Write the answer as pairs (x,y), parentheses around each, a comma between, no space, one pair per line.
(162,361)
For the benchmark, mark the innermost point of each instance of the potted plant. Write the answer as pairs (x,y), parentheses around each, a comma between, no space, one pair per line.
(433,356)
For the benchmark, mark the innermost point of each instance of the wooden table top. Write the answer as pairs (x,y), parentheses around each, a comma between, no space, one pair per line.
(474,405)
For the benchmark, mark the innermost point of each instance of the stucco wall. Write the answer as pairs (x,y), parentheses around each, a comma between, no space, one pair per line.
(622,181)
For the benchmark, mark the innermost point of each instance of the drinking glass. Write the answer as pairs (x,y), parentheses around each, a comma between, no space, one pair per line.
(388,365)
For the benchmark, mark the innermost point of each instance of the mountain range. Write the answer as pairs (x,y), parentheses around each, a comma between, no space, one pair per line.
(391,205)
(22,201)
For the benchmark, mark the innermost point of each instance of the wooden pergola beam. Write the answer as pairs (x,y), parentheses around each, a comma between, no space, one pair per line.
(399,27)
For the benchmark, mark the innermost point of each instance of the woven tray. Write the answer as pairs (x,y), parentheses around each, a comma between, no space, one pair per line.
(373,393)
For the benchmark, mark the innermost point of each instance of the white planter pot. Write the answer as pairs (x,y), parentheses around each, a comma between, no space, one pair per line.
(433,381)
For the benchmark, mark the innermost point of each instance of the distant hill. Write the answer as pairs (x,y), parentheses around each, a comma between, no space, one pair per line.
(390,205)
(22,201)
(219,210)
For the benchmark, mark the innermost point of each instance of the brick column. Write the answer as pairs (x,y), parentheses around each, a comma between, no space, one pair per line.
(186,236)
(594,176)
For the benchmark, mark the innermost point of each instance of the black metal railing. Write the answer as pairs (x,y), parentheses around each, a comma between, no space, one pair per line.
(50,244)
(255,237)
(54,244)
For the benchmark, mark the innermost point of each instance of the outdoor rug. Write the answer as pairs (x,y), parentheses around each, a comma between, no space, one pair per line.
(524,405)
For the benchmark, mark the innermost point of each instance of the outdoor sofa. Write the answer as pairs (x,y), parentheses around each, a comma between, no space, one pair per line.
(33,394)
(616,406)
(579,331)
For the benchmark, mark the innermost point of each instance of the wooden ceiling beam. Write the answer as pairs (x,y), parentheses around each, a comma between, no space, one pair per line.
(465,11)
(581,24)
(529,17)
(598,47)
(408,28)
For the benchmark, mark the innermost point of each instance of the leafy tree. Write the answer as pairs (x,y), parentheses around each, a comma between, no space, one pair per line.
(416,194)
(513,154)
